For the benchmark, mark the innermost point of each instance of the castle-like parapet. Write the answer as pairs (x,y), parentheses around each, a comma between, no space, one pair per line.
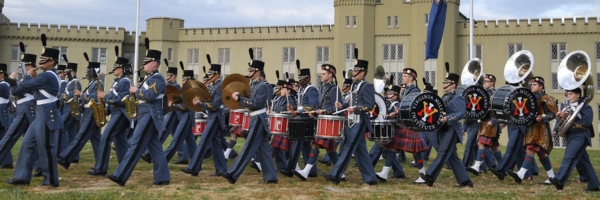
(569,25)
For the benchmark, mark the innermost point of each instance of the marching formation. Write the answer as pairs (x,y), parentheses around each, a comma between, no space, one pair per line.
(282,122)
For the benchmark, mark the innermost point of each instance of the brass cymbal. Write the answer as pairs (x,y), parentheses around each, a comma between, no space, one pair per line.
(234,83)
(187,85)
(195,90)
(172,93)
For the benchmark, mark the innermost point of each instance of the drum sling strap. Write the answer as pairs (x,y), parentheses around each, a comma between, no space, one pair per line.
(354,118)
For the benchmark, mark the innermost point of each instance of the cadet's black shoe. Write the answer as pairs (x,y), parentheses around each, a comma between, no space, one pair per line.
(113,178)
(254,166)
(556,183)
(326,162)
(75,161)
(96,172)
(189,171)
(428,180)
(331,178)
(162,183)
(213,175)
(515,176)
(383,180)
(475,172)
(372,183)
(312,175)
(299,175)
(270,182)
(592,190)
(467,183)
(286,172)
(16,182)
(498,174)
(37,173)
(226,176)
(64,163)
(146,158)
(9,166)
(51,185)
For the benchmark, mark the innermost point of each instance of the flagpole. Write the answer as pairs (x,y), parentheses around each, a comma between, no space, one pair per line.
(136,54)
(471,23)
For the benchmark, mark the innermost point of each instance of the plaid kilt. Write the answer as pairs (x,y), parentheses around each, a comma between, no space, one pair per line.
(281,142)
(536,148)
(488,141)
(407,140)
(327,144)
(238,131)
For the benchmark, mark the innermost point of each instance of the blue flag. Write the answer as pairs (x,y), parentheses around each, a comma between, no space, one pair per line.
(435,28)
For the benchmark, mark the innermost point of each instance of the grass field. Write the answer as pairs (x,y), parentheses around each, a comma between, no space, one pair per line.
(76,184)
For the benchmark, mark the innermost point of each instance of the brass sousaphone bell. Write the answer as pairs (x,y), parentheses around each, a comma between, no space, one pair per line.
(234,83)
(192,90)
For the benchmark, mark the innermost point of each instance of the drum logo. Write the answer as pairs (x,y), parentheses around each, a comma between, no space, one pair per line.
(426,111)
(521,106)
(478,102)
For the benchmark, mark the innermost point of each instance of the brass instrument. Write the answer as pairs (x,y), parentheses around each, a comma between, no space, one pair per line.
(379,79)
(472,73)
(194,90)
(74,102)
(98,109)
(173,95)
(574,72)
(518,67)
(131,102)
(233,83)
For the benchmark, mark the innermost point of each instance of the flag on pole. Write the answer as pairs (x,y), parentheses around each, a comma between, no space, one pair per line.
(435,28)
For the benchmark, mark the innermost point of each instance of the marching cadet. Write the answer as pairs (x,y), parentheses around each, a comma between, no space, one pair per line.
(330,94)
(257,142)
(345,98)
(210,142)
(149,123)
(488,133)
(23,118)
(578,138)
(515,153)
(537,135)
(42,135)
(89,130)
(308,97)
(183,132)
(449,134)
(71,123)
(172,119)
(5,118)
(362,100)
(116,129)
(63,141)
(280,143)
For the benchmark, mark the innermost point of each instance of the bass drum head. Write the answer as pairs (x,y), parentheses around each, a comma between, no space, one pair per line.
(421,111)
(514,105)
(380,110)
(478,102)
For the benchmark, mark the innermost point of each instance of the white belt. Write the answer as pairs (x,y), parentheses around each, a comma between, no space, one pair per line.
(258,112)
(3,100)
(46,101)
(160,96)
(28,97)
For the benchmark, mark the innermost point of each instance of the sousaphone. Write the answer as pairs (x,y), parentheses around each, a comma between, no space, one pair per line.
(379,79)
(574,72)
(234,83)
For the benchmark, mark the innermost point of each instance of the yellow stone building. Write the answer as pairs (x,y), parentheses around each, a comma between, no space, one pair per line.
(391,33)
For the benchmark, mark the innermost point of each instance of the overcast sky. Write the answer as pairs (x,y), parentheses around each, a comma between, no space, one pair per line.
(221,13)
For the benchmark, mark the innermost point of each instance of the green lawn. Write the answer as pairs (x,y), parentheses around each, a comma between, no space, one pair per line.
(76,184)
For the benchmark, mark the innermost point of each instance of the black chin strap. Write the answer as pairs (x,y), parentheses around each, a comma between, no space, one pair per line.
(449,85)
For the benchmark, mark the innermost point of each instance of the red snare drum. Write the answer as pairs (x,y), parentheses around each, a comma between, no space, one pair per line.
(330,126)
(278,123)
(236,117)
(246,122)
(199,127)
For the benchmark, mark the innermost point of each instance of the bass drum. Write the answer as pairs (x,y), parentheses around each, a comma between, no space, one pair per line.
(477,101)
(380,111)
(421,111)
(515,105)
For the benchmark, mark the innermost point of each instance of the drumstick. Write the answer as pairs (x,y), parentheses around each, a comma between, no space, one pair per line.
(341,111)
(336,97)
